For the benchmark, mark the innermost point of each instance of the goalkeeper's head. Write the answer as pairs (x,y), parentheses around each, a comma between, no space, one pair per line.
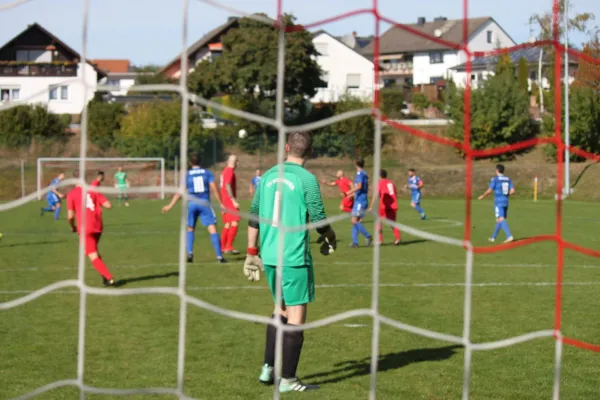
(299,147)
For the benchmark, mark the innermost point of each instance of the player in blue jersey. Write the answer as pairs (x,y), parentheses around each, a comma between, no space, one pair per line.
(200,182)
(254,182)
(53,197)
(361,203)
(503,188)
(415,184)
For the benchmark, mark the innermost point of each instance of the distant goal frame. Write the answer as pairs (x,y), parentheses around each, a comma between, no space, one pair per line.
(161,160)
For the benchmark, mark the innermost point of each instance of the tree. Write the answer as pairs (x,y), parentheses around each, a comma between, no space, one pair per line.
(21,125)
(505,63)
(420,101)
(499,113)
(358,132)
(248,67)
(154,130)
(588,73)
(543,22)
(104,121)
(523,74)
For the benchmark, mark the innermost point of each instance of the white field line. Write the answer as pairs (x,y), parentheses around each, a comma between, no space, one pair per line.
(401,264)
(348,285)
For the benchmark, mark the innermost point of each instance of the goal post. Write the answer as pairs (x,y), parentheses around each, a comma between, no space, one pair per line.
(143,171)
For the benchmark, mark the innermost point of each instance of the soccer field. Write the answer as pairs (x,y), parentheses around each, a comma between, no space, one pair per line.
(131,341)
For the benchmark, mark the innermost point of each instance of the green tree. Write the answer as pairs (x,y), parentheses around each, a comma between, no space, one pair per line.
(248,67)
(499,113)
(523,74)
(542,23)
(505,63)
(22,125)
(104,122)
(358,133)
(420,101)
(154,130)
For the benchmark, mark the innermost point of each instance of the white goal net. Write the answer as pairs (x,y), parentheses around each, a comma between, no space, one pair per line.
(141,172)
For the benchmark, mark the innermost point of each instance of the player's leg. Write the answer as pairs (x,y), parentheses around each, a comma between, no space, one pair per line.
(298,289)
(391,215)
(209,220)
(232,234)
(416,203)
(267,374)
(504,225)
(52,199)
(379,226)
(499,219)
(57,210)
(225,232)
(192,217)
(125,197)
(359,213)
(91,250)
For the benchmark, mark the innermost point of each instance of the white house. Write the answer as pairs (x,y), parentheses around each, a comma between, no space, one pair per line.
(119,75)
(344,70)
(407,58)
(38,68)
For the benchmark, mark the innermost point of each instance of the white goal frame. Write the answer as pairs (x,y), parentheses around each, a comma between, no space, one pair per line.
(41,160)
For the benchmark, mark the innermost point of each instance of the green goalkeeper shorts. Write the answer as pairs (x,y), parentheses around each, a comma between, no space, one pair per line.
(297,284)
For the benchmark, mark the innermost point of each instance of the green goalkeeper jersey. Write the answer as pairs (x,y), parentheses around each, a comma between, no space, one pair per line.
(121,179)
(300,203)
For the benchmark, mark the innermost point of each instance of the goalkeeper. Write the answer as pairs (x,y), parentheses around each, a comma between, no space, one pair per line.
(300,203)
(122,183)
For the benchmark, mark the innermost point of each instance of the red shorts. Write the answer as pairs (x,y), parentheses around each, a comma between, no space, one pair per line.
(346,206)
(388,214)
(228,218)
(91,242)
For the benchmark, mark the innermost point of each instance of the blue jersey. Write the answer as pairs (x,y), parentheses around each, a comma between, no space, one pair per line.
(255,181)
(51,196)
(413,184)
(501,185)
(362,194)
(198,182)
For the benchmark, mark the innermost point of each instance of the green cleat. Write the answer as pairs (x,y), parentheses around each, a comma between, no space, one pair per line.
(266,375)
(294,385)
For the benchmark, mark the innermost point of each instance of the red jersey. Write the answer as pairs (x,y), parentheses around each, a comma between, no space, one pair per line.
(95,183)
(93,216)
(345,185)
(228,178)
(387,195)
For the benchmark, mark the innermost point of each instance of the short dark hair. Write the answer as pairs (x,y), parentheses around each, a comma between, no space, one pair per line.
(411,170)
(500,168)
(195,159)
(360,162)
(100,173)
(383,173)
(300,144)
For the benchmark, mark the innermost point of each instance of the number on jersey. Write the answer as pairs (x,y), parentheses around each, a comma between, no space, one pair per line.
(89,203)
(505,187)
(198,184)
(276,209)
(390,188)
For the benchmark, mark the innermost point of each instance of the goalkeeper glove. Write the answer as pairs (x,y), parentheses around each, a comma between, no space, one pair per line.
(253,265)
(329,242)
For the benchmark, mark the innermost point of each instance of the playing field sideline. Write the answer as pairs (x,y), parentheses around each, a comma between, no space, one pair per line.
(131,341)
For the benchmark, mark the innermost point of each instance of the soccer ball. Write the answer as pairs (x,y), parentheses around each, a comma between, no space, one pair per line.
(242,134)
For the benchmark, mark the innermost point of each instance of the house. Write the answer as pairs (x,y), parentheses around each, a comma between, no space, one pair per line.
(345,70)
(38,68)
(120,75)
(408,59)
(483,67)
(207,48)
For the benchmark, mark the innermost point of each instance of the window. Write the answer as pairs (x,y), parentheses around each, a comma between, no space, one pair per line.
(59,92)
(34,55)
(533,75)
(9,94)
(113,82)
(436,58)
(435,79)
(322,49)
(353,81)
(490,37)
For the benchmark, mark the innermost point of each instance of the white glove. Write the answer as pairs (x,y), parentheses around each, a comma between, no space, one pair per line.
(252,267)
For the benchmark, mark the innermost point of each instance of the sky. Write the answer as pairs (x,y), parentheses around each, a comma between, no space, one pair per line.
(150,31)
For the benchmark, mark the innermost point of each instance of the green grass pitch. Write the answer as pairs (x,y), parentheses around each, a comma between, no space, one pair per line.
(131,341)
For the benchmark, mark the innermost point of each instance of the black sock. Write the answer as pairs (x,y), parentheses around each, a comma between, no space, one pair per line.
(292,346)
(270,342)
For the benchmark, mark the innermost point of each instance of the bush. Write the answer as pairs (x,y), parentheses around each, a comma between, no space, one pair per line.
(392,102)
(104,122)
(154,129)
(420,101)
(21,125)
(359,132)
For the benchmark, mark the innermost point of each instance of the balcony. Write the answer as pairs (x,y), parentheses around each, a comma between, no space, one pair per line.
(396,68)
(32,69)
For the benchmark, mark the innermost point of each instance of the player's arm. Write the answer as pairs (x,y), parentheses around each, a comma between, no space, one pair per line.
(253,264)
(328,183)
(251,189)
(229,190)
(512,189)
(174,201)
(355,189)
(489,190)
(374,199)
(215,192)
(316,213)
(104,201)
(420,184)
(71,213)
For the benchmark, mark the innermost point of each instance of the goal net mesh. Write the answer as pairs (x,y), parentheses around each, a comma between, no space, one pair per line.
(140,173)
(464,146)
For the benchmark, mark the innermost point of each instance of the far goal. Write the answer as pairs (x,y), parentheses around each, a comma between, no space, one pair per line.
(141,172)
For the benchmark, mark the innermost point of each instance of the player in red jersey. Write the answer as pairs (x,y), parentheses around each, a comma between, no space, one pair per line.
(345,185)
(228,193)
(388,204)
(93,225)
(99,179)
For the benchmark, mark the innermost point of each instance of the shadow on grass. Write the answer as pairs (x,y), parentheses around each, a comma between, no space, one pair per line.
(35,243)
(406,242)
(124,282)
(387,362)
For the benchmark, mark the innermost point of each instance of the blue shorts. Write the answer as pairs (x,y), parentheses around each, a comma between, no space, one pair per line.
(205,213)
(415,197)
(53,199)
(359,208)
(501,211)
